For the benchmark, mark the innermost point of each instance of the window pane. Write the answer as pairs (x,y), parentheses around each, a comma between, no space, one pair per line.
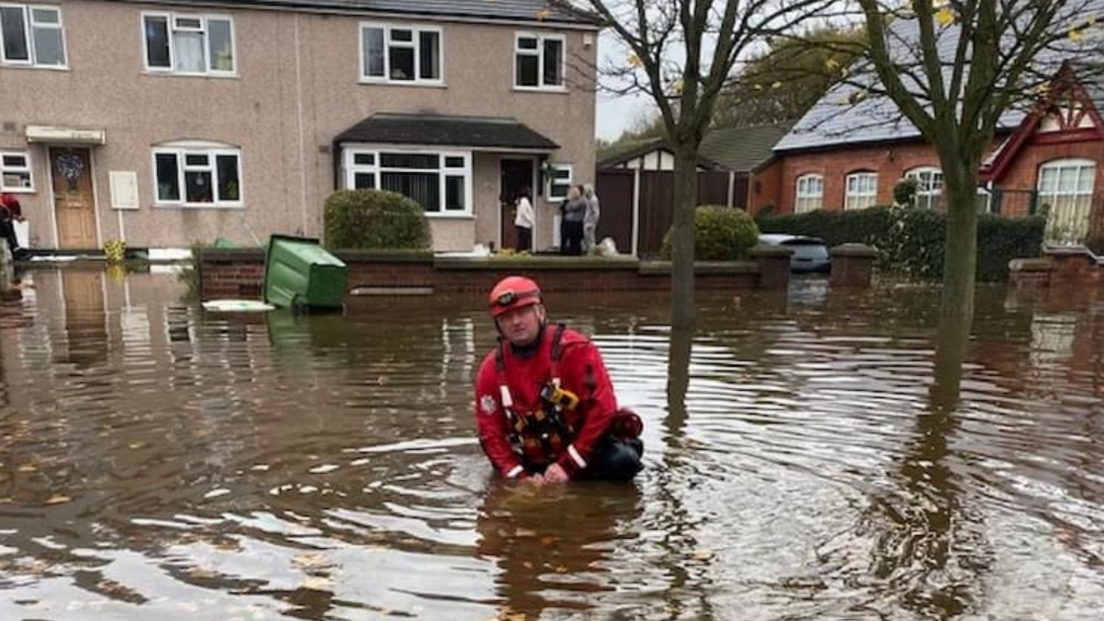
(41,15)
(364,181)
(168,182)
(15,180)
(422,188)
(14,33)
(157,42)
(553,62)
(1048,179)
(15,161)
(221,44)
(402,35)
(527,43)
(373,52)
(228,186)
(1067,179)
(430,60)
(188,47)
(454,162)
(1085,180)
(402,63)
(197,159)
(527,70)
(454,193)
(410,160)
(48,47)
(198,187)
(364,159)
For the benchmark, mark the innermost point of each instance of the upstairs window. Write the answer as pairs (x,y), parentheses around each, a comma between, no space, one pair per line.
(31,35)
(539,61)
(390,53)
(189,44)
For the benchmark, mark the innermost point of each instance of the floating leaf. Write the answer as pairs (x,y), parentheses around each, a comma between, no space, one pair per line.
(57,500)
(324,468)
(215,493)
(776,85)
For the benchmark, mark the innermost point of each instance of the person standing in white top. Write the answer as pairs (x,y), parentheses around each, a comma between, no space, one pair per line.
(523,221)
(590,220)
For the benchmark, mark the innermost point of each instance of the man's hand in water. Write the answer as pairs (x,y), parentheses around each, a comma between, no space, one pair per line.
(535,480)
(555,474)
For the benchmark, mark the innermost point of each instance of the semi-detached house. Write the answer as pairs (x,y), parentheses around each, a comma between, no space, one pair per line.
(165,124)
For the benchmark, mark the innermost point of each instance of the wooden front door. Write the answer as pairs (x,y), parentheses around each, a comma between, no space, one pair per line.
(74,202)
(516,175)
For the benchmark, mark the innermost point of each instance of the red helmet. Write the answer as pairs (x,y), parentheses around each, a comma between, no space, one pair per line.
(513,292)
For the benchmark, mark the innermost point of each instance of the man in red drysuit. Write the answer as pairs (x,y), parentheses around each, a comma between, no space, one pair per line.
(543,399)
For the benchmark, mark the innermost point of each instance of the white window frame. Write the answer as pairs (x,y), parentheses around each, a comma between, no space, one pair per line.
(864,199)
(181,152)
(29,27)
(204,29)
(807,201)
(550,182)
(415,43)
(26,168)
(929,185)
(539,53)
(1070,210)
(376,168)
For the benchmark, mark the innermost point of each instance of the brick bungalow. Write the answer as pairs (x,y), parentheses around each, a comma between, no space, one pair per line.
(851,156)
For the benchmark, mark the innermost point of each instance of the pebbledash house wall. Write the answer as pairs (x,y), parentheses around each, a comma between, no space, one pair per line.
(296,88)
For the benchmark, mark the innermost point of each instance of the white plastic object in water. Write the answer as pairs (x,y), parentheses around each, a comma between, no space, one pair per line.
(237,306)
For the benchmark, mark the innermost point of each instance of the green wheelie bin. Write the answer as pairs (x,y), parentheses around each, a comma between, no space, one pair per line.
(301,275)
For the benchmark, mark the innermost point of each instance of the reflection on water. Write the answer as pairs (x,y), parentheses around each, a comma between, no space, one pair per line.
(830,456)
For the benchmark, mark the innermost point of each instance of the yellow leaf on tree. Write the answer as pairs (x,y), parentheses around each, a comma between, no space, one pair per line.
(945,16)
(832,63)
(543,14)
(634,60)
(1075,35)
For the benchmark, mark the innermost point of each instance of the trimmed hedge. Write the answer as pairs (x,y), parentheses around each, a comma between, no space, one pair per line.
(912,241)
(374,219)
(720,234)
(863,226)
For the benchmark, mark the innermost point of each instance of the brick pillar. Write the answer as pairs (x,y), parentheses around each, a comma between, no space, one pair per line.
(774,266)
(1029,274)
(852,265)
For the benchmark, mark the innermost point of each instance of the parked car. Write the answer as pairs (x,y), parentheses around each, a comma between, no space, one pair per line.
(809,253)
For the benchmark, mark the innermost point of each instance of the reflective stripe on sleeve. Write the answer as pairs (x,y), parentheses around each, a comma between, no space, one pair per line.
(579,461)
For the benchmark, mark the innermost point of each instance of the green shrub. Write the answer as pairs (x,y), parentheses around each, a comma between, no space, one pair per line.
(904,193)
(912,241)
(720,234)
(374,219)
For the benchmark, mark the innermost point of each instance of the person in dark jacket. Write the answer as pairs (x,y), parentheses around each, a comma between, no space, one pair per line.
(574,212)
(10,213)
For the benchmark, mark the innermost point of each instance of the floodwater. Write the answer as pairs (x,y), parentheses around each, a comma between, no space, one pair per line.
(836,456)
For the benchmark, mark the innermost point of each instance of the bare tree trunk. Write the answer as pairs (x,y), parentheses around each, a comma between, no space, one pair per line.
(683,307)
(960,257)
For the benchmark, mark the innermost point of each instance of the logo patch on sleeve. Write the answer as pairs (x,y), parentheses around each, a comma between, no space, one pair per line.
(487,404)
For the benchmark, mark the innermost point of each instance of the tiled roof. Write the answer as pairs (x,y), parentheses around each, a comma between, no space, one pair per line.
(845,116)
(550,11)
(453,131)
(743,148)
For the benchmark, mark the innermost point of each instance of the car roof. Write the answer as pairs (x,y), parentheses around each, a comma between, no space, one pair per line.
(777,239)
